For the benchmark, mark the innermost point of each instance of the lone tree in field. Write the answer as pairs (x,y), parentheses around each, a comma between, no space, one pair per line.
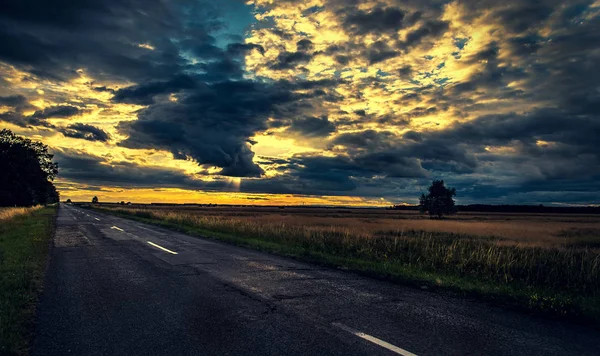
(26,172)
(95,200)
(438,201)
(69,201)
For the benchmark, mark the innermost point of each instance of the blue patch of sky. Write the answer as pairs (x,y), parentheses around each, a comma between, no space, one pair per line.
(224,21)
(441,81)
(237,17)
(460,42)
(312,10)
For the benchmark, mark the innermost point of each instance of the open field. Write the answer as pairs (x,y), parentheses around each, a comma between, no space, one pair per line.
(547,263)
(24,241)
(534,230)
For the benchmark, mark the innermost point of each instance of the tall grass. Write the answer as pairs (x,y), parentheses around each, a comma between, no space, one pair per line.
(9,213)
(551,277)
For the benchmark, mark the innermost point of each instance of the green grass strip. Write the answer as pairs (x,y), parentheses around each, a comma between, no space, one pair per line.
(24,246)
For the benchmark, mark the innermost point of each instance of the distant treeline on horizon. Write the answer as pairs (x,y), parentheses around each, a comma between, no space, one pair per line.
(507,208)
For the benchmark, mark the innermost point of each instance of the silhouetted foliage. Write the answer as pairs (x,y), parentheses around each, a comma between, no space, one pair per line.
(26,172)
(438,202)
(95,200)
(69,201)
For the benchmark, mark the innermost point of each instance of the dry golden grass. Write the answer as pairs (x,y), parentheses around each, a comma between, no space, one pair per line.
(9,213)
(533,230)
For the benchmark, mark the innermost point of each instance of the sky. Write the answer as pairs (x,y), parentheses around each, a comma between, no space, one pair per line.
(336,102)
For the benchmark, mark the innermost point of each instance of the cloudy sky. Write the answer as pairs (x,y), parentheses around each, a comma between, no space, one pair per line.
(314,101)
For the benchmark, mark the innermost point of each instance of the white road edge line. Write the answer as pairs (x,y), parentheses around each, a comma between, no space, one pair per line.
(97,219)
(162,248)
(374,340)
(117,228)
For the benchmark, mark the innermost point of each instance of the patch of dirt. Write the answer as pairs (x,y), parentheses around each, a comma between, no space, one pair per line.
(68,236)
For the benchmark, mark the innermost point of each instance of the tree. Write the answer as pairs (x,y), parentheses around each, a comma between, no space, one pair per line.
(69,201)
(27,172)
(95,200)
(438,201)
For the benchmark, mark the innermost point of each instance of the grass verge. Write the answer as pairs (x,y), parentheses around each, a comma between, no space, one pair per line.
(557,282)
(24,244)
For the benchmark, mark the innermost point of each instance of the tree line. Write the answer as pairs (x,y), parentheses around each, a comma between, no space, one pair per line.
(26,172)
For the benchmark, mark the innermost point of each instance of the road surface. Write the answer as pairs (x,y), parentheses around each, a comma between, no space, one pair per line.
(119,287)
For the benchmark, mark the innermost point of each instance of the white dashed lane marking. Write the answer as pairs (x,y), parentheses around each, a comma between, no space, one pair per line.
(373,339)
(162,248)
(117,228)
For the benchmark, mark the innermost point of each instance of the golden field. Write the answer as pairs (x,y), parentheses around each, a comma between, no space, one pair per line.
(534,230)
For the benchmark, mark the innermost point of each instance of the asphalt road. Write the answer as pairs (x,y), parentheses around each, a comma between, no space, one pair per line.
(119,287)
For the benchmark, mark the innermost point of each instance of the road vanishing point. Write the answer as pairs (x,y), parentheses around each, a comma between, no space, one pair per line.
(119,287)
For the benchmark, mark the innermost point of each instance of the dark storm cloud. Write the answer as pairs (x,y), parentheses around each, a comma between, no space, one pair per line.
(15,118)
(577,137)
(212,124)
(85,168)
(240,49)
(59,111)
(394,156)
(339,175)
(305,45)
(82,167)
(86,132)
(39,117)
(67,14)
(225,69)
(289,60)
(13,100)
(380,51)
(368,139)
(144,94)
(377,21)
(53,40)
(524,16)
(338,54)
(413,136)
(312,126)
(428,30)
(405,72)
